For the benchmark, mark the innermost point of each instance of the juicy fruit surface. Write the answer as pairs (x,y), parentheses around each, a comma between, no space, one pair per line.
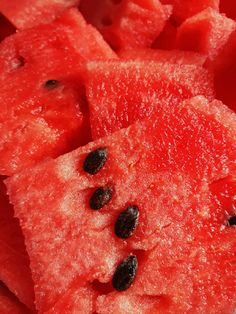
(38,119)
(15,270)
(163,56)
(185,151)
(183,9)
(142,221)
(124,23)
(210,31)
(9,303)
(117,91)
(29,13)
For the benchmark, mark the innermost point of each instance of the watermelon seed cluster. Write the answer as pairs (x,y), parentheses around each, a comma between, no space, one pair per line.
(125,224)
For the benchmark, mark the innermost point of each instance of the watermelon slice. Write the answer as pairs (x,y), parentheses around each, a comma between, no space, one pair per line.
(225,73)
(210,31)
(156,233)
(14,260)
(119,93)
(6,28)
(169,56)
(9,304)
(43,112)
(183,9)
(127,23)
(29,13)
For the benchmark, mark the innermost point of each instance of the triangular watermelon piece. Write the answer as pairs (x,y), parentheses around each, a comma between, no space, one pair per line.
(210,31)
(43,112)
(119,93)
(9,303)
(123,23)
(14,271)
(159,174)
(29,13)
(158,55)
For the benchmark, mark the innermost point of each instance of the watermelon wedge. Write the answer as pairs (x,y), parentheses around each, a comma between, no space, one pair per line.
(14,271)
(210,31)
(29,13)
(120,93)
(163,56)
(103,217)
(43,112)
(9,303)
(127,23)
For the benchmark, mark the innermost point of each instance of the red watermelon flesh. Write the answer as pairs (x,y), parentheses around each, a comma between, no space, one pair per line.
(207,33)
(169,56)
(6,28)
(14,270)
(43,112)
(183,9)
(119,92)
(29,13)
(180,274)
(75,301)
(225,73)
(9,303)
(127,23)
(166,165)
(229,8)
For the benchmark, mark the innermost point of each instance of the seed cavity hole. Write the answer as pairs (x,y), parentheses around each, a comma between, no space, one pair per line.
(232,221)
(51,84)
(101,287)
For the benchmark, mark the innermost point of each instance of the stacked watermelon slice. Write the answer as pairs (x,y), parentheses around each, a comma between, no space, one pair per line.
(117,157)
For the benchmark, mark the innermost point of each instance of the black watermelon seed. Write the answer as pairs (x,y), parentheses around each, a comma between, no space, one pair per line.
(127,222)
(100,198)
(95,160)
(125,273)
(51,84)
(232,221)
